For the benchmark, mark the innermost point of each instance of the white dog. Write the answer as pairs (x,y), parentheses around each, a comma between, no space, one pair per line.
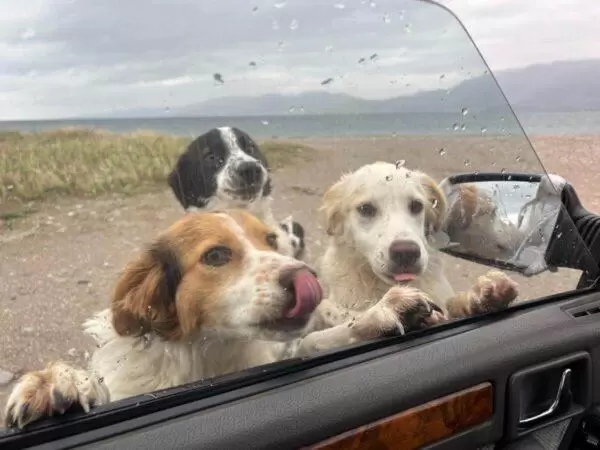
(379,219)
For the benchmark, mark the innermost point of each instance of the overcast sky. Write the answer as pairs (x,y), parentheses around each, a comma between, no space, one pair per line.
(85,57)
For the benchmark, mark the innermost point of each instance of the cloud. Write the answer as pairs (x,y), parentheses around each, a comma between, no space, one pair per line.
(85,57)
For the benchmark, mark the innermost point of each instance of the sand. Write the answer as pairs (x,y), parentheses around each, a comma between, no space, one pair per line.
(58,266)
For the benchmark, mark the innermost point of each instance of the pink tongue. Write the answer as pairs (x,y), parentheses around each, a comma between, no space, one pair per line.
(307,293)
(404,276)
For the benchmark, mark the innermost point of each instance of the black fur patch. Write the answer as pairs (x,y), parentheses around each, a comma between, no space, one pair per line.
(164,256)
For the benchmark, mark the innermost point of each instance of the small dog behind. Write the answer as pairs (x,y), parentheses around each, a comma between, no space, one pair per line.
(223,169)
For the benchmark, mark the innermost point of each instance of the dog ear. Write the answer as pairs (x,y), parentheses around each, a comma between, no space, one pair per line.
(332,207)
(144,296)
(464,208)
(437,207)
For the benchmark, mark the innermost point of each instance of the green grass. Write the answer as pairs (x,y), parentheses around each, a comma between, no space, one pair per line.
(88,163)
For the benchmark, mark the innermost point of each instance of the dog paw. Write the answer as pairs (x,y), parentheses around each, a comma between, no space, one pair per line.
(495,291)
(401,310)
(52,392)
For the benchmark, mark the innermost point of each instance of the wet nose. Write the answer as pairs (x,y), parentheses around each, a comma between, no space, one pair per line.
(405,253)
(249,172)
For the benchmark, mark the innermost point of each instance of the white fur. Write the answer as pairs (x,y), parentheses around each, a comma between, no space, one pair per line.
(356,264)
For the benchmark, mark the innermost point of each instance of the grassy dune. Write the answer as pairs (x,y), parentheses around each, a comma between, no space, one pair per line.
(88,163)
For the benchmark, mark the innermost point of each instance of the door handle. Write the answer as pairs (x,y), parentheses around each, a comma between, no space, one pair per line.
(565,381)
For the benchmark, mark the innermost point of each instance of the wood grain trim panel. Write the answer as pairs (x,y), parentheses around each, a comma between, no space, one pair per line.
(421,425)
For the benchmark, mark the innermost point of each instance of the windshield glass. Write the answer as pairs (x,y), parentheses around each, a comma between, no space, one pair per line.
(129,126)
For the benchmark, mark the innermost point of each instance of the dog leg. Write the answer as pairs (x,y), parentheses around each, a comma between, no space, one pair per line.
(53,391)
(493,291)
(402,309)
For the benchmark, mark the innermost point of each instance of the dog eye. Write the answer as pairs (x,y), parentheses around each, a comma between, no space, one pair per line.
(217,256)
(416,207)
(272,240)
(367,210)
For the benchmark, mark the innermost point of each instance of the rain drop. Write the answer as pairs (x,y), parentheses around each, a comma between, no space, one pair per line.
(442,151)
(374,56)
(408,28)
(434,203)
(455,126)
(294,25)
(502,171)
(400,163)
(218,78)
(388,178)
(518,158)
(329,48)
(464,111)
(264,122)
(467,162)
(280,45)
(463,127)
(361,60)
(372,4)
(292,109)
(252,64)
(279,5)
(254,9)
(442,76)
(167,109)
(386,18)
(275,25)
(339,6)
(326,81)
(483,130)
(401,15)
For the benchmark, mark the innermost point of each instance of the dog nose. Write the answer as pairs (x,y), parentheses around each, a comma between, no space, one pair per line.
(405,253)
(249,172)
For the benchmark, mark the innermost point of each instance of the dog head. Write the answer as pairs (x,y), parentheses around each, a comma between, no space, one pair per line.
(224,165)
(295,233)
(475,224)
(384,214)
(215,272)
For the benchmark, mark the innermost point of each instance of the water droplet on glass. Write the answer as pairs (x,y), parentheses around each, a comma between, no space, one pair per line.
(464,111)
(218,78)
(442,151)
(518,158)
(294,25)
(372,4)
(292,109)
(254,9)
(502,171)
(167,109)
(394,134)
(280,45)
(264,122)
(434,203)
(386,18)
(252,64)
(455,126)
(374,56)
(401,15)
(483,130)
(400,163)
(463,127)
(388,178)
(279,5)
(442,76)
(408,28)
(467,162)
(326,81)
(275,25)
(329,48)
(339,6)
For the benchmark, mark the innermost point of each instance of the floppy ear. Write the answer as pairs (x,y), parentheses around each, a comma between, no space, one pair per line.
(464,208)
(437,207)
(332,207)
(144,296)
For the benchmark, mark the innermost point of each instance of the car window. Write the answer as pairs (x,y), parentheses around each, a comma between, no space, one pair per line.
(332,123)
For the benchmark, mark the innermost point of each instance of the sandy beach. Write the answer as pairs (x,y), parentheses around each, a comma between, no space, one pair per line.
(58,266)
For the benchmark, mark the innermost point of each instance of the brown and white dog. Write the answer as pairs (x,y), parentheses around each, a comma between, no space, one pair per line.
(210,296)
(379,220)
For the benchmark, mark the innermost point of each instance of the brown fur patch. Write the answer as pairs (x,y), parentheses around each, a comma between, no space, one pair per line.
(168,289)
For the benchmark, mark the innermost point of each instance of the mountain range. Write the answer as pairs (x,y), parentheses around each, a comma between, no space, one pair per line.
(561,86)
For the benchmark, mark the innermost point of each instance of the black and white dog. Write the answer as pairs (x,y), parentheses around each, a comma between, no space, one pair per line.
(224,168)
